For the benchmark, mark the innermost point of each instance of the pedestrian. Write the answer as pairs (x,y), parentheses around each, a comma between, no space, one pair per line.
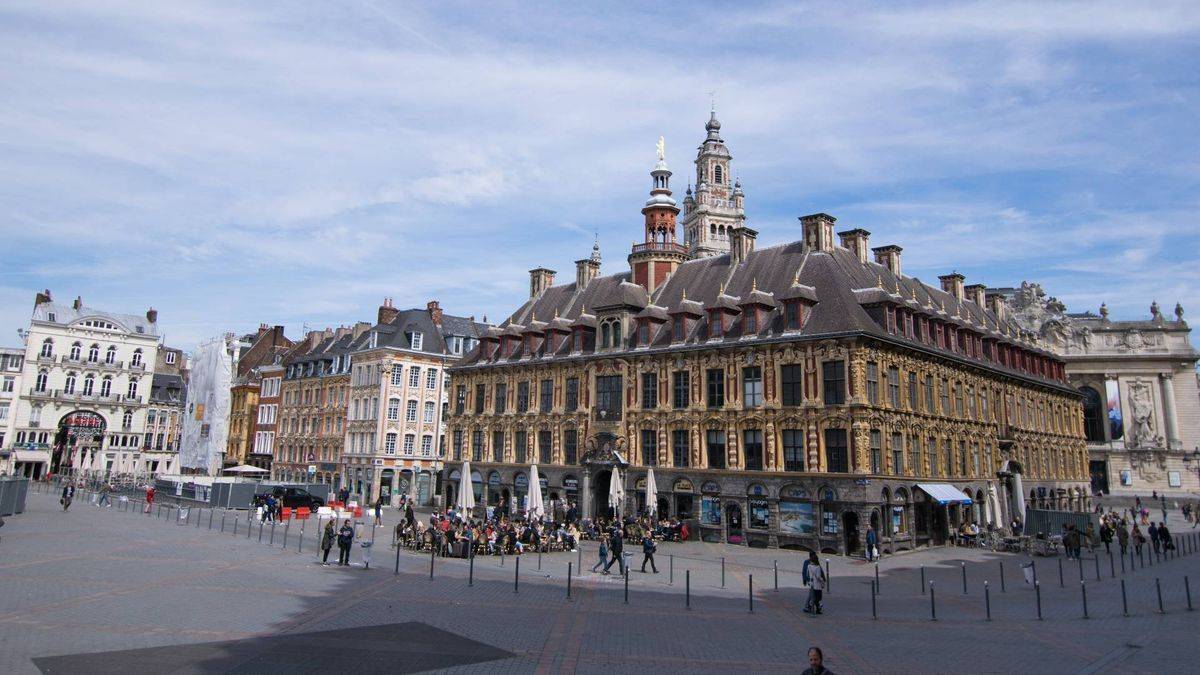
(872,540)
(1138,539)
(816,663)
(813,575)
(616,546)
(104,493)
(603,555)
(379,511)
(1089,536)
(1106,536)
(1122,537)
(1164,538)
(1154,542)
(648,549)
(327,539)
(344,539)
(68,494)
(149,497)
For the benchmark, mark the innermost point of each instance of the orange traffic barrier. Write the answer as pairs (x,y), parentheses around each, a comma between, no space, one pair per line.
(302,513)
(358,512)
(285,512)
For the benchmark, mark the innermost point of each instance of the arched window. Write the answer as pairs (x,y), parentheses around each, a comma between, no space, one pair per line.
(106,386)
(88,384)
(127,420)
(616,333)
(133,388)
(76,351)
(42,377)
(69,387)
(110,356)
(717,174)
(605,336)
(137,358)
(1093,415)
(94,353)
(47,348)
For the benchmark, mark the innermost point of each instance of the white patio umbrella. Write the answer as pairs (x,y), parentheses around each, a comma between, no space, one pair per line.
(616,490)
(466,492)
(535,508)
(245,469)
(651,493)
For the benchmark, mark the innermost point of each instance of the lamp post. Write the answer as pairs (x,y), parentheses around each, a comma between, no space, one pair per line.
(1191,460)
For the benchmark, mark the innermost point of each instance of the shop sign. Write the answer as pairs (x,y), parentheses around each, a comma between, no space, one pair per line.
(683,485)
(571,484)
(710,487)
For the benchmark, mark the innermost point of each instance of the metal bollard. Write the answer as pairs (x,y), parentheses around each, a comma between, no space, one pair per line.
(876,577)
(1061,584)
(1033,568)
(922,580)
(432,552)
(1083,592)
(874,615)
(272,542)
(210,517)
(1187,590)
(751,589)
(569,570)
(199,515)
(397,559)
(517,576)
(687,589)
(300,542)
(539,557)
(722,571)
(1097,560)
(1079,559)
(1158,588)
(775,564)
(1037,589)
(627,585)
(932,604)
(286,528)
(471,565)
(828,578)
(235,524)
(579,554)
(1124,601)
(987,600)
(671,564)
(260,531)
(1112,569)
(964,577)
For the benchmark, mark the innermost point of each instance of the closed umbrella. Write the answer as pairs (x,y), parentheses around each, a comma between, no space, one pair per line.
(466,491)
(994,501)
(651,494)
(535,509)
(616,491)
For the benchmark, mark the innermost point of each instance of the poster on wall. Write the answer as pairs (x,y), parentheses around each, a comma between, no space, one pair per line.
(1116,425)
(1173,479)
(1126,477)
(897,519)
(760,514)
(796,518)
(829,523)
(710,511)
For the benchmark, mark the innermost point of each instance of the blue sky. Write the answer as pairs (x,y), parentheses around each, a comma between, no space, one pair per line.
(294,163)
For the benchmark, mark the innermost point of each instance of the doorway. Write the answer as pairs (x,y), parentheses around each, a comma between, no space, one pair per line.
(940,524)
(733,523)
(600,488)
(850,531)
(1099,474)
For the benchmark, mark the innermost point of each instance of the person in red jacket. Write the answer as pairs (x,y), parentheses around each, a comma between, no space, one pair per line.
(149,498)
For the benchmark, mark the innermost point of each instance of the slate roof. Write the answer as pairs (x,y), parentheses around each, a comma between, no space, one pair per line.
(67,314)
(434,338)
(837,286)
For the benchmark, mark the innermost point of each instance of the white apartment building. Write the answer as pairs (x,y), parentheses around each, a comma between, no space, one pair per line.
(86,380)
(11,359)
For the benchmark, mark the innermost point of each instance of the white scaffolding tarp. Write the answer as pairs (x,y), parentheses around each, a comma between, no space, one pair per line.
(206,420)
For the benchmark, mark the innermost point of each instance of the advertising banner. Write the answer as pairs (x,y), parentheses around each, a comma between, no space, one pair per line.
(796,518)
(1116,424)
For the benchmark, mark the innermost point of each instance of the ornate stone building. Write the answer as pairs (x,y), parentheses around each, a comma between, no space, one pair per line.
(264,348)
(312,409)
(1140,395)
(789,396)
(717,207)
(395,428)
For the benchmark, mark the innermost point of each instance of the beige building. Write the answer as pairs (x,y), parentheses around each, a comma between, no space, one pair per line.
(1139,385)
(312,408)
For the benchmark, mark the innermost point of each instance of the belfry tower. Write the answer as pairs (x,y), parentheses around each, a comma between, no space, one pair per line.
(717,206)
(653,260)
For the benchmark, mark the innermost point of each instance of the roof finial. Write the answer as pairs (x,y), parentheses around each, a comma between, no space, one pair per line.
(556,312)
(796,278)
(684,298)
(754,285)
(722,291)
(879,280)
(662,149)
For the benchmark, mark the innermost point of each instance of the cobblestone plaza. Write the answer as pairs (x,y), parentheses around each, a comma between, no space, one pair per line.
(106,590)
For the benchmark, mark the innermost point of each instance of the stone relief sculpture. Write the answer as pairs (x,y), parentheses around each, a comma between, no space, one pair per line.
(1141,408)
(1047,316)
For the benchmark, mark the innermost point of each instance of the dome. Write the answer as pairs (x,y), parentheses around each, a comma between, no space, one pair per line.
(660,200)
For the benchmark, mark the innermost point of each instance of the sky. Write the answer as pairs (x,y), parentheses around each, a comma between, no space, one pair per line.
(238,163)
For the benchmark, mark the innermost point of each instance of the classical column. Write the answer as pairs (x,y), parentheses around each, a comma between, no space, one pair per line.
(585,494)
(1169,419)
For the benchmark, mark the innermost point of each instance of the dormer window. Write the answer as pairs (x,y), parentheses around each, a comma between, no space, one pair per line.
(170,357)
(679,329)
(751,321)
(416,340)
(610,333)
(373,340)
(793,315)
(716,327)
(644,332)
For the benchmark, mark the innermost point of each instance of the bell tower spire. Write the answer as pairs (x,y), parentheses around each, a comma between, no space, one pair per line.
(653,260)
(716,208)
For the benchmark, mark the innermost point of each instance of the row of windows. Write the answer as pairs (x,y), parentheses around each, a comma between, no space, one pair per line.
(93,353)
(86,386)
(315,396)
(389,444)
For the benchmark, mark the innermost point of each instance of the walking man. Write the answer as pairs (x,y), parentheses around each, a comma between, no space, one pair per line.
(872,541)
(104,500)
(648,549)
(813,575)
(1154,537)
(379,510)
(616,546)
(603,554)
(68,494)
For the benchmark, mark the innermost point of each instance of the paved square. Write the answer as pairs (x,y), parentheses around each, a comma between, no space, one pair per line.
(87,581)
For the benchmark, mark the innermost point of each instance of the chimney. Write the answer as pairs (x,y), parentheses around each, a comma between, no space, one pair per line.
(359,328)
(818,231)
(977,293)
(78,304)
(539,280)
(586,270)
(995,302)
(42,298)
(856,240)
(387,313)
(741,244)
(435,312)
(152,315)
(889,257)
(953,284)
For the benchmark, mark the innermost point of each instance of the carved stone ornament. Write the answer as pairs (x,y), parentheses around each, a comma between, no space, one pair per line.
(1141,409)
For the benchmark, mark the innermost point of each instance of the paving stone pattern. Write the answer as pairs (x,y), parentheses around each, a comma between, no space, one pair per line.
(112,580)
